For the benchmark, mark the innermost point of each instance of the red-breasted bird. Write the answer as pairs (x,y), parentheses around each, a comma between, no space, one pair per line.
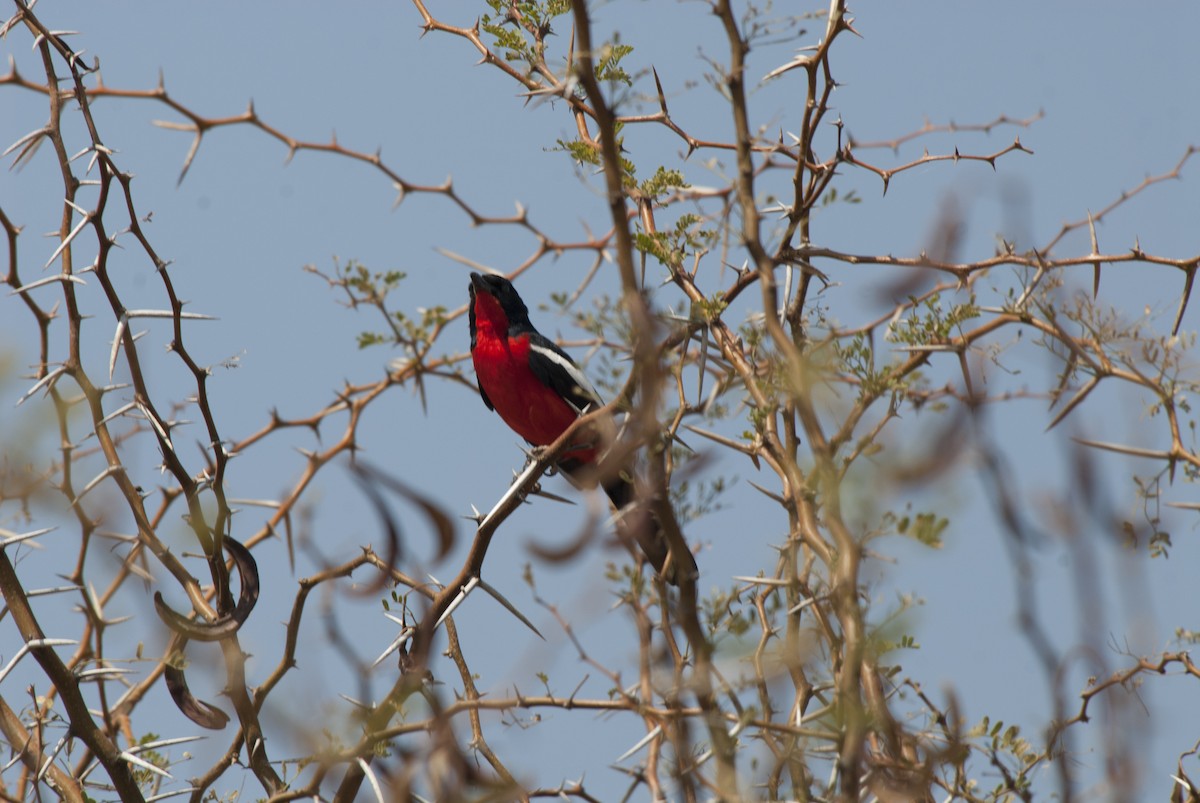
(539,391)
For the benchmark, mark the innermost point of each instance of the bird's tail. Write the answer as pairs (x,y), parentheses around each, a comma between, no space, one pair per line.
(643,527)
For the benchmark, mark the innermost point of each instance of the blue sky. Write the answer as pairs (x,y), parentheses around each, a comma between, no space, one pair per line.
(1117,90)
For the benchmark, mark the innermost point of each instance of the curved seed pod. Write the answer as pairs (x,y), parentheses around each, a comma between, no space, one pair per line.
(195,709)
(227,625)
(371,481)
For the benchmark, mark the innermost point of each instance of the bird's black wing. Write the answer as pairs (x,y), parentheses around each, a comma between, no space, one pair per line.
(554,368)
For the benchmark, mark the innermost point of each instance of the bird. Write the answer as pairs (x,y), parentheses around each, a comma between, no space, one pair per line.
(539,391)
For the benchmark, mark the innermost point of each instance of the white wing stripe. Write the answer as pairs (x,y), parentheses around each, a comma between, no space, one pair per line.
(571,368)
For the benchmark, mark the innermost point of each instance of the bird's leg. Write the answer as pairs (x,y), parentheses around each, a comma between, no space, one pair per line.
(532,455)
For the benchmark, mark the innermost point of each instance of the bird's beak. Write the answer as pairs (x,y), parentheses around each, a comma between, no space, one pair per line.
(477,283)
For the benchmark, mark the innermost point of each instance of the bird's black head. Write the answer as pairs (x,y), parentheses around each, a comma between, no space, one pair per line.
(496,304)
